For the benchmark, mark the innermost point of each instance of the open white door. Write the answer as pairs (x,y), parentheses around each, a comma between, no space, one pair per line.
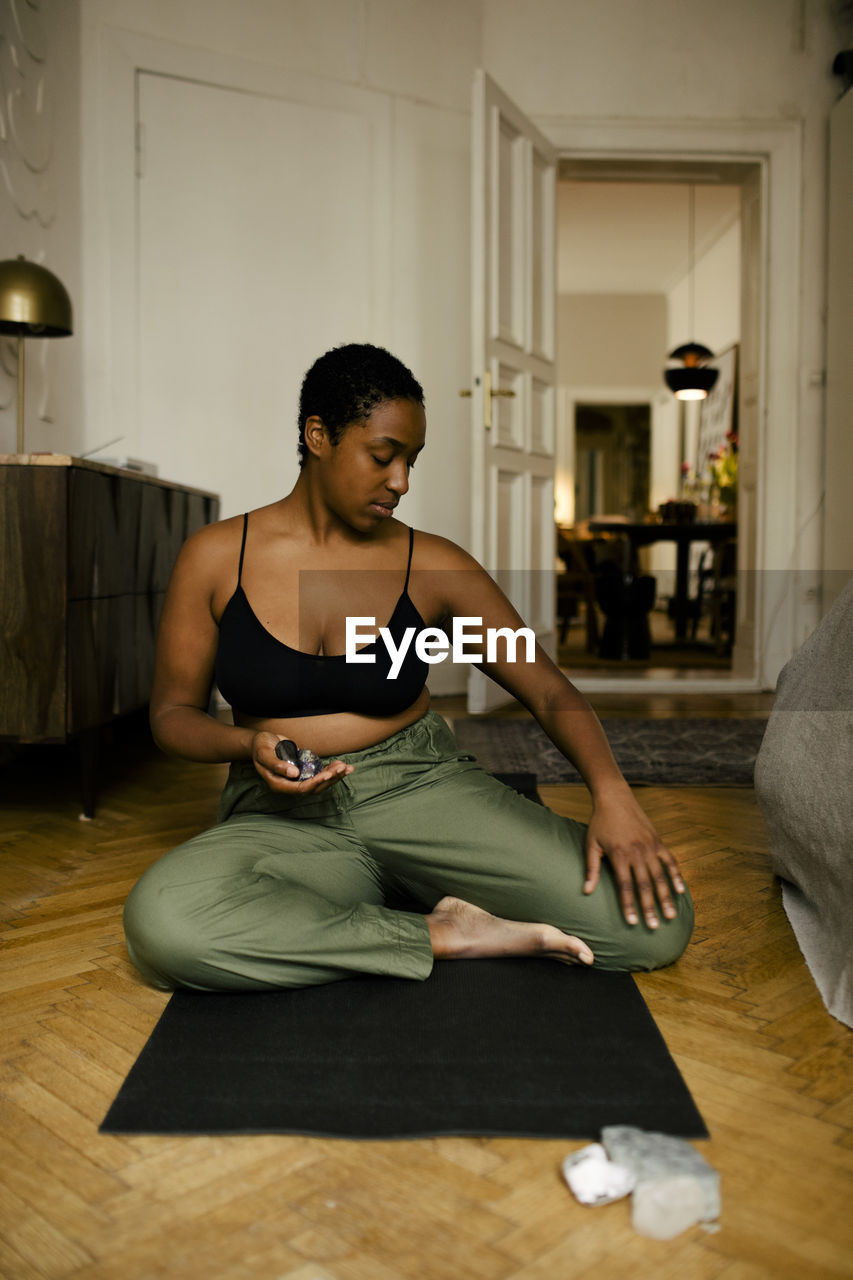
(513,389)
(749,427)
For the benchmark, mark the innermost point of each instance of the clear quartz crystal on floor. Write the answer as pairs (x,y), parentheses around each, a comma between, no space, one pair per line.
(675,1185)
(593,1179)
(665,1207)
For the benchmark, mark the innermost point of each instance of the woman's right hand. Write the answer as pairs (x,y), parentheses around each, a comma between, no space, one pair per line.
(283,776)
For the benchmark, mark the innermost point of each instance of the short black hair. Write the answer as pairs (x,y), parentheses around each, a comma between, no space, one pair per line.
(347,383)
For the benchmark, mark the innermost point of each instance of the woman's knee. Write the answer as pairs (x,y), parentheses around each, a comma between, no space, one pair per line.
(164,942)
(638,948)
(170,913)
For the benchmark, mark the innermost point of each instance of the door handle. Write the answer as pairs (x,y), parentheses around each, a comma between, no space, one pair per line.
(489,395)
(467,393)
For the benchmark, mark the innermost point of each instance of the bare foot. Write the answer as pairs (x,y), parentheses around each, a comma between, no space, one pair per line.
(459,930)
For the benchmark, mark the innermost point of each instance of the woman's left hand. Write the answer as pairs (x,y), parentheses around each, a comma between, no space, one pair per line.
(620,831)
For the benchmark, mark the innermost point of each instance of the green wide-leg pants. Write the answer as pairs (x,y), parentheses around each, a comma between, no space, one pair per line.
(292,891)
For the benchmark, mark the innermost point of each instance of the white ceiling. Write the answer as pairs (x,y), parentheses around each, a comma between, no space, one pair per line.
(632,237)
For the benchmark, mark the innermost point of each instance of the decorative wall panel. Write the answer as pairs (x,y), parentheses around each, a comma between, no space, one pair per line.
(26,153)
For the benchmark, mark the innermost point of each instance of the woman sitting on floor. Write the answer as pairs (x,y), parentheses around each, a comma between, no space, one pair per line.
(297,883)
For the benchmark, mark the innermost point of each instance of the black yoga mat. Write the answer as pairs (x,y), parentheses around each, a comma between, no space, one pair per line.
(510,1047)
(524,783)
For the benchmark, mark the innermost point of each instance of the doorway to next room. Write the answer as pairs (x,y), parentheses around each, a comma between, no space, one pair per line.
(647,550)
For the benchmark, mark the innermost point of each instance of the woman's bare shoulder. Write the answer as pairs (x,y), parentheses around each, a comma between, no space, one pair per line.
(432,551)
(212,549)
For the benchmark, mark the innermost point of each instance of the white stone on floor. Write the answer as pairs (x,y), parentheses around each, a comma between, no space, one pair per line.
(665,1207)
(593,1179)
(675,1185)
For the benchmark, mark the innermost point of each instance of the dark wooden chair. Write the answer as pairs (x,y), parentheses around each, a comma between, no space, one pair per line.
(717,594)
(626,600)
(576,587)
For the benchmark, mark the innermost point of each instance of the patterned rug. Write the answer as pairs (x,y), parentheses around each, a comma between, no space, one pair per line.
(701,752)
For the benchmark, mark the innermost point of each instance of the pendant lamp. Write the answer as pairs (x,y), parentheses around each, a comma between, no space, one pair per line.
(33,304)
(694,378)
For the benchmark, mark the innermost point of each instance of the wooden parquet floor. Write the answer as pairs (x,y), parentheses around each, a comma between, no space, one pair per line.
(770,1069)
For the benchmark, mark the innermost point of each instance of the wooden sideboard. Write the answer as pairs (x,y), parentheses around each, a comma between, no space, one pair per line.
(87,551)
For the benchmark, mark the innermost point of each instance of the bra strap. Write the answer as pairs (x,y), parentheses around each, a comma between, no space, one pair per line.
(243,547)
(409,565)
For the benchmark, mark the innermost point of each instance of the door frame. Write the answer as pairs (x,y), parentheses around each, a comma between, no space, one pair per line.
(502,439)
(784,601)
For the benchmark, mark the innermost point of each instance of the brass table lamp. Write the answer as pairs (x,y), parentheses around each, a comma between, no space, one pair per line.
(33,304)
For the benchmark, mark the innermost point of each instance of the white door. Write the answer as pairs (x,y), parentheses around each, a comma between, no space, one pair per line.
(838,456)
(262,234)
(749,377)
(513,350)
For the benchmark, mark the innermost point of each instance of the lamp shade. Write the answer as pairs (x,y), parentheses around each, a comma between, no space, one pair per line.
(693,379)
(691,383)
(33,303)
(692,353)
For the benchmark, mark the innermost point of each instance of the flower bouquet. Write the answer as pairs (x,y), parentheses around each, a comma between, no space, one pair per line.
(723,465)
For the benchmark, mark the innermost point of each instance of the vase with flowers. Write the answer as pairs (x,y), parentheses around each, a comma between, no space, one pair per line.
(723,465)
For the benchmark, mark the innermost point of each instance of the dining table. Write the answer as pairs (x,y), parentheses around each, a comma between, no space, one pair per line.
(642,533)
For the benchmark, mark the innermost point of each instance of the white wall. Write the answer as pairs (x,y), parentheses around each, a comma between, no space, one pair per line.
(431,305)
(608,350)
(716,307)
(716,297)
(412,49)
(407,65)
(610,339)
(752,59)
(40,209)
(670,61)
(611,342)
(838,513)
(678,63)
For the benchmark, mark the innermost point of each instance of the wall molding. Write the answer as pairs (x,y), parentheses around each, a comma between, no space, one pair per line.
(27,141)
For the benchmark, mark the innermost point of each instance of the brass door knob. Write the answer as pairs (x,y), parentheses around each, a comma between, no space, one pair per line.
(489,394)
(466,392)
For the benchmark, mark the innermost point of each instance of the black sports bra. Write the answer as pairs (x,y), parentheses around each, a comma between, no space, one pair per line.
(263,677)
